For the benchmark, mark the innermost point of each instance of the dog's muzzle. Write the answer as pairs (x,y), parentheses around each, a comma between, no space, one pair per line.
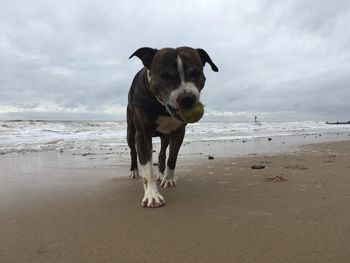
(186,100)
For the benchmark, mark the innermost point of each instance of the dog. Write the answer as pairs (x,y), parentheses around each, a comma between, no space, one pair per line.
(171,80)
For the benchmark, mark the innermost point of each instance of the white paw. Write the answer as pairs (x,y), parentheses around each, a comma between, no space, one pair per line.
(134,174)
(152,198)
(168,183)
(168,180)
(159,177)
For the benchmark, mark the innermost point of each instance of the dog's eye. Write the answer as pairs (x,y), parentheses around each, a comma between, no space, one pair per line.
(194,73)
(169,73)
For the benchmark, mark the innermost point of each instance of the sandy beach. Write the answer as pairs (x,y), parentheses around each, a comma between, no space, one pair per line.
(59,207)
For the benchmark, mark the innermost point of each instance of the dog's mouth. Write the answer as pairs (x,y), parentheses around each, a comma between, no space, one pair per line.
(174,112)
(171,110)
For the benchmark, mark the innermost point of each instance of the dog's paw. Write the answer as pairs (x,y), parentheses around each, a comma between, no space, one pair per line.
(152,198)
(134,174)
(168,180)
(168,183)
(159,177)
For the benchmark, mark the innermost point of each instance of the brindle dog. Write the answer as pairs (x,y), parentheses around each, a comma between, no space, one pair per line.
(171,80)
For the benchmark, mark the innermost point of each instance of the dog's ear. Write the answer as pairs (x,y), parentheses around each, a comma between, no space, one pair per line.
(206,59)
(146,55)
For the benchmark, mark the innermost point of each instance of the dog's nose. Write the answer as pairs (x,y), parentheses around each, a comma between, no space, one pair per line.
(186,100)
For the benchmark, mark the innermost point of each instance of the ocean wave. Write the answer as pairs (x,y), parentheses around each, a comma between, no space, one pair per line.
(21,136)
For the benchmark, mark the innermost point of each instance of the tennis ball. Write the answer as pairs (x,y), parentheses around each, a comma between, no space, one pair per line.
(193,114)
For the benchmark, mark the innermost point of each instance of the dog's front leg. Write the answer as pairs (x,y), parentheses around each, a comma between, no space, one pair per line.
(176,139)
(152,198)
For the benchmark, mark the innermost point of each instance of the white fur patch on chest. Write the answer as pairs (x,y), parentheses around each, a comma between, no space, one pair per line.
(167,124)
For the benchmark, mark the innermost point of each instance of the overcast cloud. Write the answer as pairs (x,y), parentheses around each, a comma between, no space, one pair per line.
(281,60)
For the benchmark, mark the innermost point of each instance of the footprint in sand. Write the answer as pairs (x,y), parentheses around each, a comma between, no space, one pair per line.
(296,167)
(331,159)
(42,250)
(275,179)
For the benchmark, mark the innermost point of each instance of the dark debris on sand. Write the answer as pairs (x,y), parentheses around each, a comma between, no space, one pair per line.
(258,166)
(275,179)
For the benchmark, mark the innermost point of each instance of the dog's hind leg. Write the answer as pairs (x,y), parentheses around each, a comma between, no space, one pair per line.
(164,142)
(131,133)
(176,139)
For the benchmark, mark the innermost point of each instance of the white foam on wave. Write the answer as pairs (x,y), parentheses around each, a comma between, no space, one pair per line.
(18,136)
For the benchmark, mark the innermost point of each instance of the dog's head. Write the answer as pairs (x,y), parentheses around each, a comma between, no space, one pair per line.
(175,76)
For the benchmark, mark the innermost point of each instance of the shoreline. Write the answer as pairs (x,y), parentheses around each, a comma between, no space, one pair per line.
(59,207)
(102,136)
(259,144)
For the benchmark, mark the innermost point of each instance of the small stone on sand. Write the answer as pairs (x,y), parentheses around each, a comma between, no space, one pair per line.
(258,166)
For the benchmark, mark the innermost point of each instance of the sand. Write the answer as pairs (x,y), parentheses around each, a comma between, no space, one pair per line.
(60,208)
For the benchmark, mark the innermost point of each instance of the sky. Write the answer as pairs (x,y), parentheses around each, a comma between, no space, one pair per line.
(279,60)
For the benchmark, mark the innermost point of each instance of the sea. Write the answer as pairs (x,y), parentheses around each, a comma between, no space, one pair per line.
(22,136)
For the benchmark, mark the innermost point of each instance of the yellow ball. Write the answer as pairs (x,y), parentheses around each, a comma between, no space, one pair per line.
(193,114)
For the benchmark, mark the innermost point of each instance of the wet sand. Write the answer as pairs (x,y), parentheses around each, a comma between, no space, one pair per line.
(64,208)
